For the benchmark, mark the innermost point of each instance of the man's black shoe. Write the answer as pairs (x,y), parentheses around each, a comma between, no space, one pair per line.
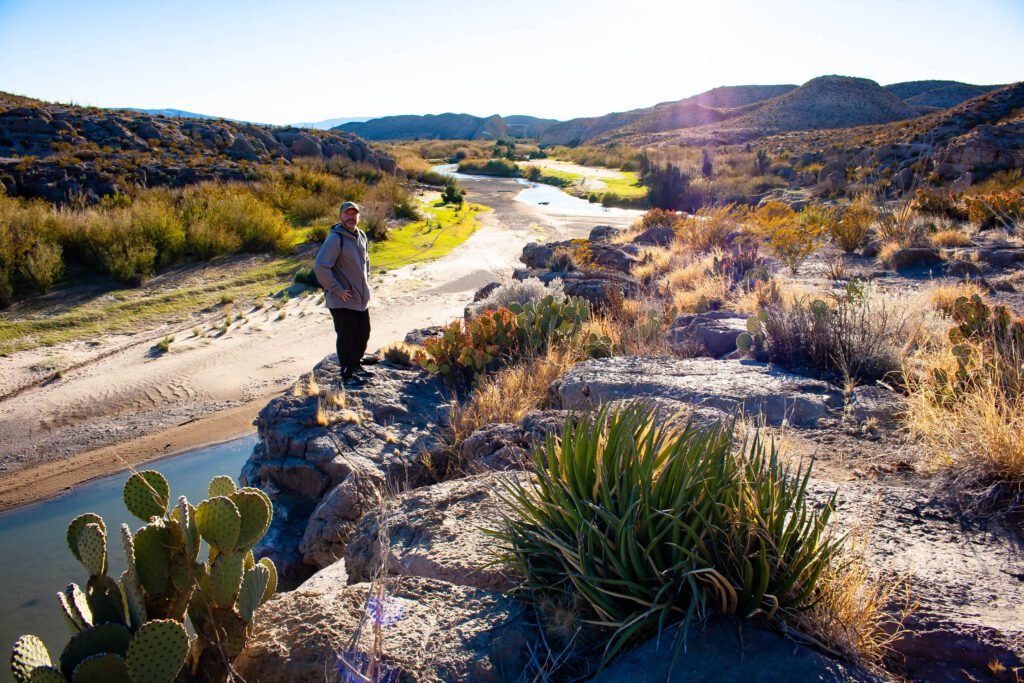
(365,372)
(369,359)
(353,382)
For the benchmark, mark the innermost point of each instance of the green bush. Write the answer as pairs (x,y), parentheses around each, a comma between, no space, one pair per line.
(502,168)
(43,265)
(159,225)
(654,525)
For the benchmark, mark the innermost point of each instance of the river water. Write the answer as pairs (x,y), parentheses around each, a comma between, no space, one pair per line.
(35,562)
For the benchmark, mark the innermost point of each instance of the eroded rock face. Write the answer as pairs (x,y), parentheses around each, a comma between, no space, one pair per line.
(715,331)
(615,257)
(965,577)
(506,446)
(748,386)
(323,478)
(728,650)
(446,633)
(436,532)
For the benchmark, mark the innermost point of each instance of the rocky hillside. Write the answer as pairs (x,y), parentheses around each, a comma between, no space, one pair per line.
(713,105)
(447,127)
(64,152)
(930,95)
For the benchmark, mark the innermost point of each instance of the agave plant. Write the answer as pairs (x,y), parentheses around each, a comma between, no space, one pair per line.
(656,524)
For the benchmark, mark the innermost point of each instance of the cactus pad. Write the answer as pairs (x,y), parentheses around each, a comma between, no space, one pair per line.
(76,608)
(146,495)
(255,510)
(228,629)
(92,548)
(105,600)
(29,653)
(185,515)
(250,596)
(134,598)
(104,668)
(222,485)
(105,638)
(219,522)
(152,557)
(744,342)
(47,674)
(226,577)
(157,651)
(75,528)
(272,583)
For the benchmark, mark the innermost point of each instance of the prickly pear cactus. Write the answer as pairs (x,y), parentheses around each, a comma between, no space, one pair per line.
(132,630)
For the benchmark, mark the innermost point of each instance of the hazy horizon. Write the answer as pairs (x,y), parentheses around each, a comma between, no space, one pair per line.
(271,63)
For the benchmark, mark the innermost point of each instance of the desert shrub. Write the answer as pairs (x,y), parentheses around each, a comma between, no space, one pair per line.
(453,193)
(682,518)
(230,218)
(930,201)
(318,233)
(849,229)
(503,168)
(374,219)
(159,224)
(433,178)
(710,228)
(857,335)
(791,237)
(206,241)
(943,298)
(966,404)
(43,265)
(997,210)
(306,276)
(898,224)
(518,292)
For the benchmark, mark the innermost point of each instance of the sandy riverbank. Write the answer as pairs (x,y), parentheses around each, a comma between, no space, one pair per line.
(122,405)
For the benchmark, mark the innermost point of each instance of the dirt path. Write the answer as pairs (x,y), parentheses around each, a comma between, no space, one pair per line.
(123,404)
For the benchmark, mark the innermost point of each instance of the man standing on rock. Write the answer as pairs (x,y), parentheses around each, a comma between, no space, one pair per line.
(342,267)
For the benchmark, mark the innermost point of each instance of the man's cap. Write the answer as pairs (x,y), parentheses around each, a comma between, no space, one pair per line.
(349,205)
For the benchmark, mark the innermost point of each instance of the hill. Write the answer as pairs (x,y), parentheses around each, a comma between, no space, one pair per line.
(447,126)
(713,105)
(65,152)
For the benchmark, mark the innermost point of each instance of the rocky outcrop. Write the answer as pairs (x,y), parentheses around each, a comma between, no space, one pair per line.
(441,632)
(616,257)
(755,389)
(64,152)
(728,650)
(715,332)
(506,446)
(323,473)
(435,532)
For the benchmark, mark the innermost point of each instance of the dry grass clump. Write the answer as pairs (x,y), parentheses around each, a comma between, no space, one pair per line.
(510,393)
(710,228)
(400,353)
(708,293)
(852,615)
(887,250)
(943,297)
(950,238)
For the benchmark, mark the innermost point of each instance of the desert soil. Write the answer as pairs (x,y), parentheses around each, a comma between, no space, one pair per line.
(118,404)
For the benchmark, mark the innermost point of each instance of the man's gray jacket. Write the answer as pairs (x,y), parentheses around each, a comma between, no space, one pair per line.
(343,263)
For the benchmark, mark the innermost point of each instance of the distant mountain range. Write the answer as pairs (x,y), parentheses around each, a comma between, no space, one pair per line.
(326,124)
(743,112)
(448,127)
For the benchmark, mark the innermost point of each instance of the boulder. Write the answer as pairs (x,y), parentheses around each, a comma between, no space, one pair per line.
(323,477)
(963,268)
(241,148)
(910,257)
(436,532)
(418,336)
(615,257)
(603,233)
(658,235)
(756,389)
(727,649)
(506,446)
(875,403)
(716,331)
(1001,258)
(443,632)
(305,146)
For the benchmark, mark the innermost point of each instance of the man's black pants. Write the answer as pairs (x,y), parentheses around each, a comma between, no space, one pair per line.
(353,330)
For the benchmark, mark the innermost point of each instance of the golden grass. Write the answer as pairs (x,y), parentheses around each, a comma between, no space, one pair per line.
(943,297)
(510,393)
(976,439)
(399,353)
(852,616)
(949,238)
(887,251)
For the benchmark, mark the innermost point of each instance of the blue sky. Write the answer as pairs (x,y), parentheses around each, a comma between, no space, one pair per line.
(287,62)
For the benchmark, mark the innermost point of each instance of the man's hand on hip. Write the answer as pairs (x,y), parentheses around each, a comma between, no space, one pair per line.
(346,295)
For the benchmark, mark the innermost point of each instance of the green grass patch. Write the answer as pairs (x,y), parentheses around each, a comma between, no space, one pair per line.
(627,187)
(135,309)
(444,227)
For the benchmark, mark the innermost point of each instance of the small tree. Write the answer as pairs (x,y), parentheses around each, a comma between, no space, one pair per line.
(791,237)
(706,166)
